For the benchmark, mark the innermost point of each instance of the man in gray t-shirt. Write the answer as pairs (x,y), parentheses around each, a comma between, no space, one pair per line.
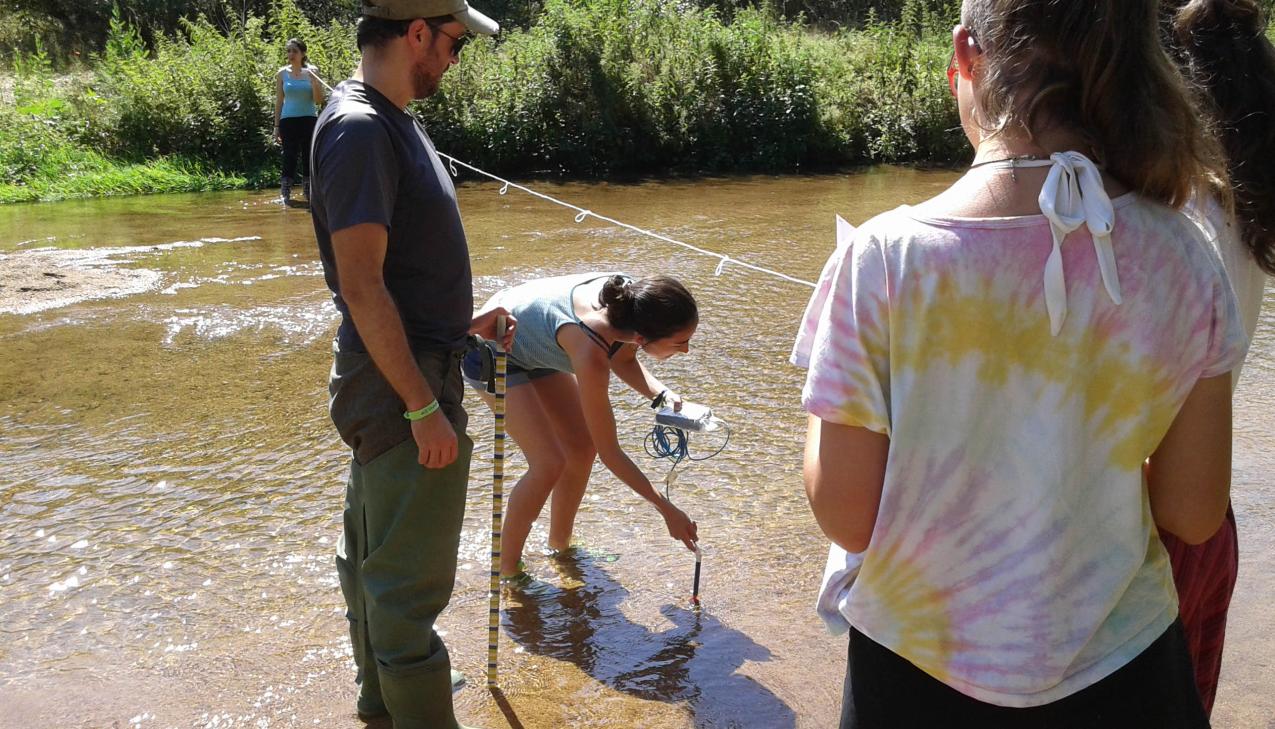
(380,167)
(395,256)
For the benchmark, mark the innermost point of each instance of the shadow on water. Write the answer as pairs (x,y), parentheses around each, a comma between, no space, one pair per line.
(694,661)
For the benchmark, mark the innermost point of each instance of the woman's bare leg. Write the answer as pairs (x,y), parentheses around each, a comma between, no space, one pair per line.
(525,421)
(566,417)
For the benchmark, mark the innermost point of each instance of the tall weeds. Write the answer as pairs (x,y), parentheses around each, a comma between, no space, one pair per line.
(586,88)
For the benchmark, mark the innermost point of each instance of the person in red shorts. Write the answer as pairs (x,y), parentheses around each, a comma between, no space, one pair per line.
(1222,47)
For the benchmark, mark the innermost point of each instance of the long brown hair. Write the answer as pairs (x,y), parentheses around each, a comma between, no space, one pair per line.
(1222,44)
(1098,68)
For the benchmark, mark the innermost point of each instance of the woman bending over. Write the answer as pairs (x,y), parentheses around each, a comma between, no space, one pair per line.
(573,333)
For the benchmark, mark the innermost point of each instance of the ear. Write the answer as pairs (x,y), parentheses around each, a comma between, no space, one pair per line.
(967,51)
(419,33)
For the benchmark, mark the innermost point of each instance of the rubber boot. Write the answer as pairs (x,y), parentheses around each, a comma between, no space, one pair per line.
(370,704)
(349,561)
(285,190)
(420,696)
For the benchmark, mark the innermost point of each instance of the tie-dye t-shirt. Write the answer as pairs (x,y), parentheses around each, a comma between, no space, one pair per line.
(1014,556)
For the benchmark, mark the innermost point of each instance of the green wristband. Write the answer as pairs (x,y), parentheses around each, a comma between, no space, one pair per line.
(423,413)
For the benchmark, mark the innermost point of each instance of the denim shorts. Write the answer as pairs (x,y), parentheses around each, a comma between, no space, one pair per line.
(478,368)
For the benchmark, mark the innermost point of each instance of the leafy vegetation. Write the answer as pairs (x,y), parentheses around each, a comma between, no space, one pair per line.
(582,88)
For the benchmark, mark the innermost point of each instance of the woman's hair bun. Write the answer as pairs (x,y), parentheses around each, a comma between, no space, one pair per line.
(655,307)
(618,298)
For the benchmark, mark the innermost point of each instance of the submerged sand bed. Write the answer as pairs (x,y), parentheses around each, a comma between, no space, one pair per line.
(32,281)
(39,279)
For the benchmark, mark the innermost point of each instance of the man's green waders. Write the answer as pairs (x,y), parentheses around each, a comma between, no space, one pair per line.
(397,555)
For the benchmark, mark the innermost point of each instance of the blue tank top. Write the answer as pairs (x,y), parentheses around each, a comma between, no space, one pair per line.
(542,307)
(298,98)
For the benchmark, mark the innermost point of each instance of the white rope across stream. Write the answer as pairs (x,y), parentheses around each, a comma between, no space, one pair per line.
(582,214)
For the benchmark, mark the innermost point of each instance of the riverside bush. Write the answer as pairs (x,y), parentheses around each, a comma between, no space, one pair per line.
(206,94)
(38,161)
(841,13)
(641,85)
(590,87)
(200,94)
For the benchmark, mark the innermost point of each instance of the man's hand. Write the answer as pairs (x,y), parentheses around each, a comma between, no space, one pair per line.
(484,325)
(435,439)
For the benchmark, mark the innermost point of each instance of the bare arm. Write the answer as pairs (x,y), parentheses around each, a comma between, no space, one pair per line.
(360,255)
(316,90)
(594,376)
(278,101)
(844,474)
(1189,474)
(629,369)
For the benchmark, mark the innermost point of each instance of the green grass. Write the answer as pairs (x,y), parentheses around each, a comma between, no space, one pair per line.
(86,174)
(40,160)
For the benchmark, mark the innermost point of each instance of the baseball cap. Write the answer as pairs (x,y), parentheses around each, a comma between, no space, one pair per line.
(474,21)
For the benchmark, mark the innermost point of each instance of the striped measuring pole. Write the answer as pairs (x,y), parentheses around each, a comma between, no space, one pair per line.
(497,503)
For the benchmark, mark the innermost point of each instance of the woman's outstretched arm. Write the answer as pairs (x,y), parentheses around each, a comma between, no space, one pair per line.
(633,373)
(593,373)
(316,88)
(278,104)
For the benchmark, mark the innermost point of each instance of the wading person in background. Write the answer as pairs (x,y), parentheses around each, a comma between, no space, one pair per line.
(1222,45)
(298,95)
(395,256)
(991,371)
(574,332)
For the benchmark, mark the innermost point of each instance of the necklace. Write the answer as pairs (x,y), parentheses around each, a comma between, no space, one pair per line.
(1013,163)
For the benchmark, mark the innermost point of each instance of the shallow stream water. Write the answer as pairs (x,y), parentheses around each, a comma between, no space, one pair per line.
(171,486)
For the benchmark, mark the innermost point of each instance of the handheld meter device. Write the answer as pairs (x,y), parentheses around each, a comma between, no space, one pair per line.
(670,438)
(691,417)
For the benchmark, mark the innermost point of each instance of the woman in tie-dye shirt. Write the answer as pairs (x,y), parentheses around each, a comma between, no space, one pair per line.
(1013,385)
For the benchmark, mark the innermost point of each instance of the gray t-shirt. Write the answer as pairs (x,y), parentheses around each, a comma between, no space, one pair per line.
(373,163)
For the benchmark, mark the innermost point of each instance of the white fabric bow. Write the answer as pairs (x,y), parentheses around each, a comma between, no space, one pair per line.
(1072,196)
